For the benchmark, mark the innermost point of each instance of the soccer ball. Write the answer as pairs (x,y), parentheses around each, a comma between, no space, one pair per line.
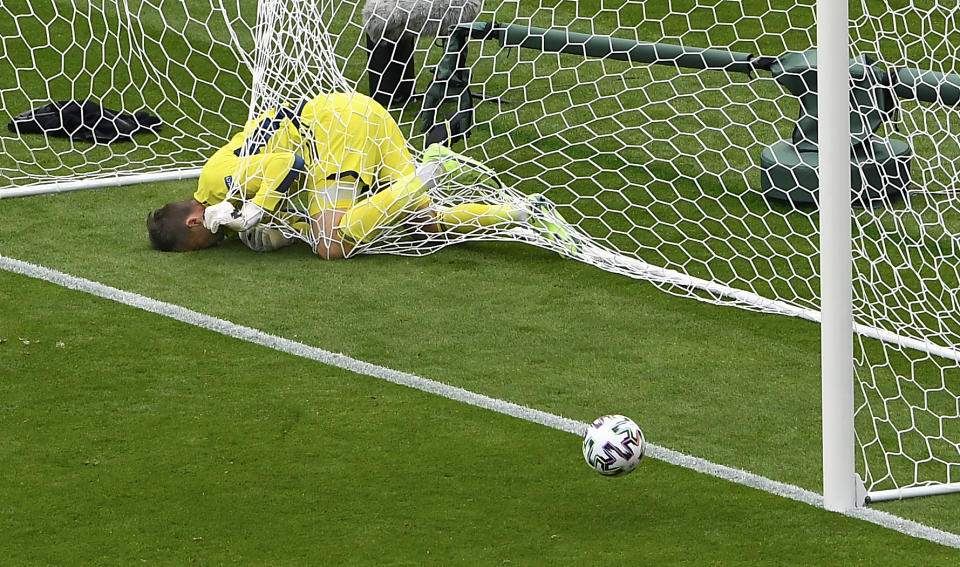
(613,445)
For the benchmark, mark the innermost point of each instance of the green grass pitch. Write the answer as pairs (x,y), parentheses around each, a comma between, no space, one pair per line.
(130,438)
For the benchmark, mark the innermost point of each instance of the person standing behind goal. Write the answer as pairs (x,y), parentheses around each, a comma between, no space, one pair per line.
(320,158)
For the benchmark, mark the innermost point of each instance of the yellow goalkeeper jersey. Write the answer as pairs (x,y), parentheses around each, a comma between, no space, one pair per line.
(251,161)
(352,135)
(335,136)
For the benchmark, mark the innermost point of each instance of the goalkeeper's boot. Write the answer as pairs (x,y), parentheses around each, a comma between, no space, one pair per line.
(459,168)
(545,218)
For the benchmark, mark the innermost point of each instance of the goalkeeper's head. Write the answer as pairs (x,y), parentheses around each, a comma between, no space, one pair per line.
(178,227)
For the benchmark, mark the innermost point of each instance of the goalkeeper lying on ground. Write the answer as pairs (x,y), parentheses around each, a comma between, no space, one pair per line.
(311,170)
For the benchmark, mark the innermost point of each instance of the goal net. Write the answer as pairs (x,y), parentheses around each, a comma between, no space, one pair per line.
(184,62)
(677,140)
(906,263)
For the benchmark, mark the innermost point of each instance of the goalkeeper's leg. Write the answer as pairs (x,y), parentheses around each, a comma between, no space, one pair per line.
(329,244)
(459,170)
(407,200)
(407,196)
(536,212)
(326,206)
(473,217)
(390,207)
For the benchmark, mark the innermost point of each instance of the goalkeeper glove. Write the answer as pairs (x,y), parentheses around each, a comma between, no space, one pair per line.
(223,214)
(264,239)
(218,215)
(247,218)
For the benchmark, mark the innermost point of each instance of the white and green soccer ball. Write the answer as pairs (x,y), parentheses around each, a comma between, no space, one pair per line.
(613,445)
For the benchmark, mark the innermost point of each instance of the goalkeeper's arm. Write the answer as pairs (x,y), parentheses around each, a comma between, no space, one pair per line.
(270,176)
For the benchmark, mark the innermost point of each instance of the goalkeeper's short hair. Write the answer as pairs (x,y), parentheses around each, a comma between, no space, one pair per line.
(167,226)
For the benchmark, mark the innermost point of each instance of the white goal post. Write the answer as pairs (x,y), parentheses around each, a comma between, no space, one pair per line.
(836,284)
(798,158)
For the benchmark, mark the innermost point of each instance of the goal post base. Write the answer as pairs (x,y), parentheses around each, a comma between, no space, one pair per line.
(860,491)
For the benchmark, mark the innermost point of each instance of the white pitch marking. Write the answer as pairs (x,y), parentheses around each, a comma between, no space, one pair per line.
(222,326)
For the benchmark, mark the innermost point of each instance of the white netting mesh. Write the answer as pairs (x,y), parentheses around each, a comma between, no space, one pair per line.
(908,422)
(655,165)
(294,62)
(181,61)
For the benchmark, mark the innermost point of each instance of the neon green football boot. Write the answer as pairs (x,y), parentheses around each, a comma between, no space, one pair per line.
(459,168)
(545,218)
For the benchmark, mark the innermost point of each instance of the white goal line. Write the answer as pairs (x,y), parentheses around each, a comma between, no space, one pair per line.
(230,329)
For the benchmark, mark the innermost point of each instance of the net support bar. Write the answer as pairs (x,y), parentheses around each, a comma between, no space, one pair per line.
(116,181)
(836,258)
(912,492)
